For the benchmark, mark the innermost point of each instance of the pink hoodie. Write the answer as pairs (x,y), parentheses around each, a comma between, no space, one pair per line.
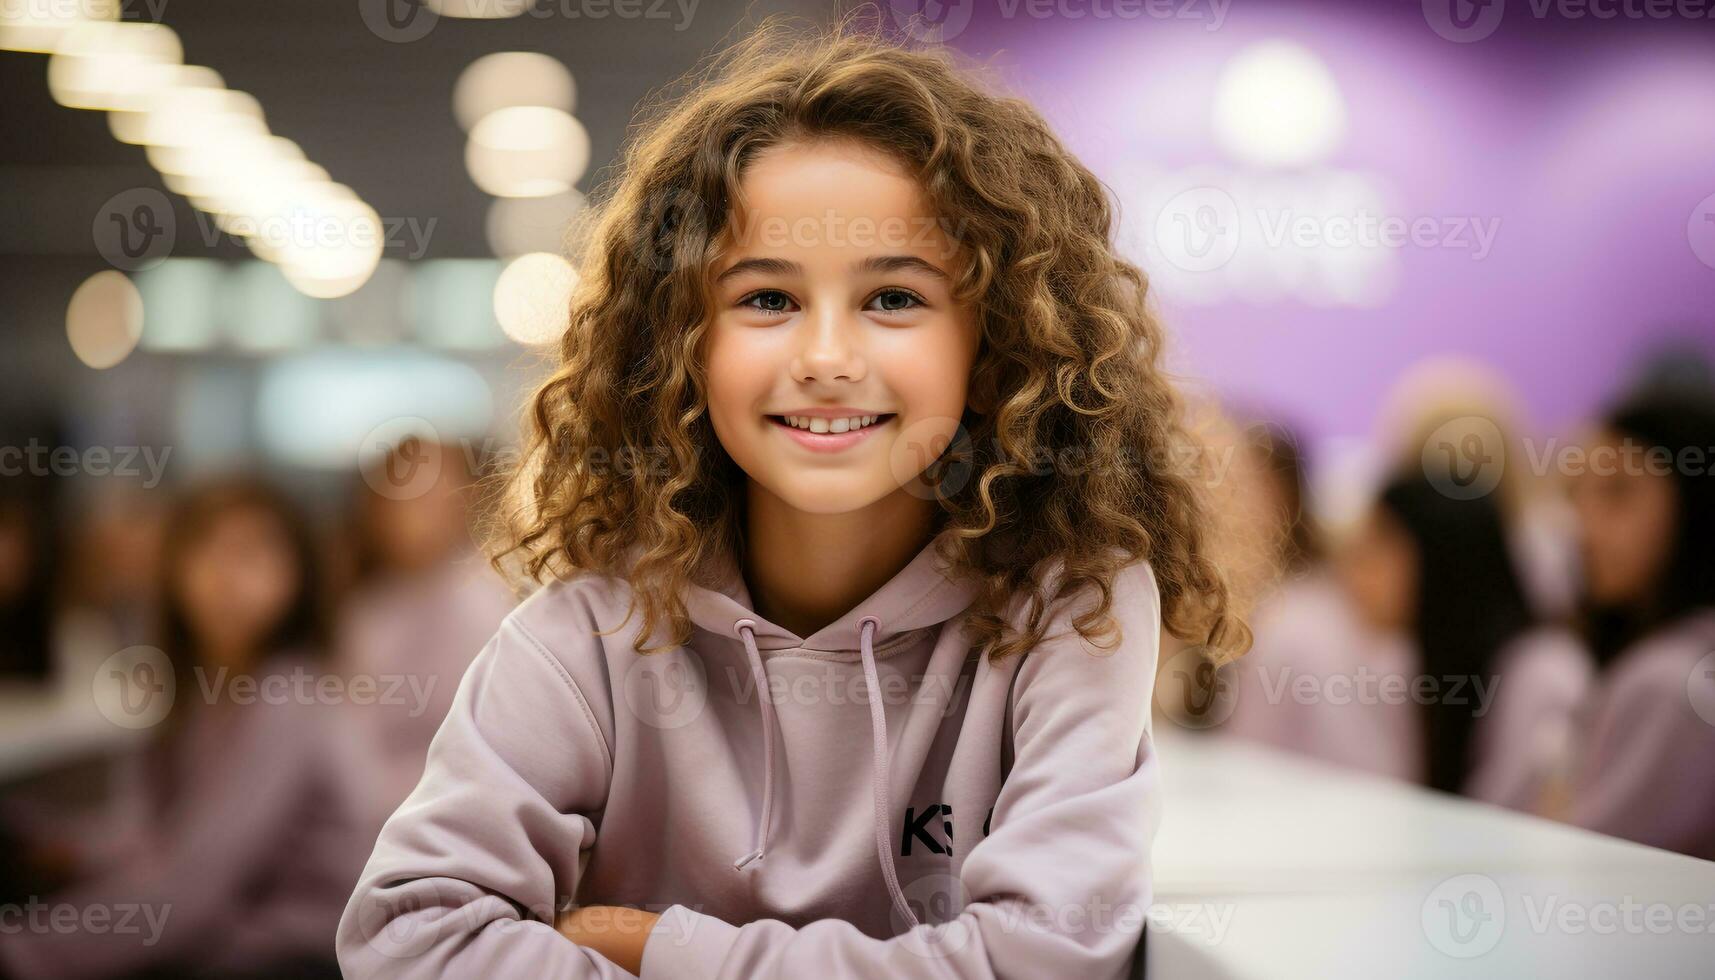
(421,632)
(1647,755)
(572,769)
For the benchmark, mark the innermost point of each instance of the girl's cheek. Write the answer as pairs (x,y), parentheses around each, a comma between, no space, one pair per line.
(932,371)
(738,369)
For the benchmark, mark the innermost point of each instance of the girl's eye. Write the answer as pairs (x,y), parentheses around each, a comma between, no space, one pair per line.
(891,300)
(896,300)
(769,297)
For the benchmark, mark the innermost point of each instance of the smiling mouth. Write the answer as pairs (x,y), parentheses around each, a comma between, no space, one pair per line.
(821,426)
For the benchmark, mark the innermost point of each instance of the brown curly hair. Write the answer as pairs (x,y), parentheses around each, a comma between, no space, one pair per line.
(1082,466)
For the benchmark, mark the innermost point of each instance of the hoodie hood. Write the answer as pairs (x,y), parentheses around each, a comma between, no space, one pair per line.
(923,594)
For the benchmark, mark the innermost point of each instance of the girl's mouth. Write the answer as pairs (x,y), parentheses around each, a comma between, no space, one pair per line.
(857,429)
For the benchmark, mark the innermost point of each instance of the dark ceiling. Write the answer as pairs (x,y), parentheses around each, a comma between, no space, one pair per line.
(376,113)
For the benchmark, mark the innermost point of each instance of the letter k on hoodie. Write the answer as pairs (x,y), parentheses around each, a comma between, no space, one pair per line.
(785,823)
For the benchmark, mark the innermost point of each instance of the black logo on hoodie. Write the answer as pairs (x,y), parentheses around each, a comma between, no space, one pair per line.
(917,827)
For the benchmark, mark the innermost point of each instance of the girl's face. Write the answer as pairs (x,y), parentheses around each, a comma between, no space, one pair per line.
(1626,519)
(235,583)
(413,531)
(1378,568)
(833,309)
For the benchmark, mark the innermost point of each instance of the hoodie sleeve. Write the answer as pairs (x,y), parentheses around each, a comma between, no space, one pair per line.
(1059,887)
(468,873)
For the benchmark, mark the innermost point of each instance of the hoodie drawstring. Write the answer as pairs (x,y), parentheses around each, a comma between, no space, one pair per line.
(759,675)
(878,772)
(879,777)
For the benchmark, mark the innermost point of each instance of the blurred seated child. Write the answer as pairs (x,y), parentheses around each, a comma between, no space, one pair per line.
(1489,687)
(1301,685)
(1462,418)
(239,843)
(426,602)
(1644,768)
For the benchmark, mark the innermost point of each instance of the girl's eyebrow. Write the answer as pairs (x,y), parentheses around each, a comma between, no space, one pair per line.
(872,264)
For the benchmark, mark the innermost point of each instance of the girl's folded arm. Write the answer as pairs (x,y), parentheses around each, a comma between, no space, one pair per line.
(1059,887)
(469,871)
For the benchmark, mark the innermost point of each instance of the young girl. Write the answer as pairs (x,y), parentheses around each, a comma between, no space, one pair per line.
(861,409)
(1305,625)
(235,841)
(1646,507)
(422,606)
(1486,684)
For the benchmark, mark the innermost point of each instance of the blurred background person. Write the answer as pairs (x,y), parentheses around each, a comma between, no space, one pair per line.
(1436,570)
(1460,420)
(1646,510)
(424,602)
(1301,685)
(110,592)
(236,826)
(1193,688)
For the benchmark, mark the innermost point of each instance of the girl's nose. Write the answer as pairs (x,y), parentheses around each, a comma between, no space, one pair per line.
(831,348)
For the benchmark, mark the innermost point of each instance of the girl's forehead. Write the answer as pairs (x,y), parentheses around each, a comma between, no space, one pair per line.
(831,177)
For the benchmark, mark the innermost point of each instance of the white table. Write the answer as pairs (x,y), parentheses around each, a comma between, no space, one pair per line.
(1279,866)
(41,728)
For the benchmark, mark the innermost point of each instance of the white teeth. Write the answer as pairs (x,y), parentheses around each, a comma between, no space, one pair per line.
(818,424)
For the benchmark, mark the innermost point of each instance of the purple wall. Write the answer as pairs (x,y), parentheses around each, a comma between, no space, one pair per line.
(1592,142)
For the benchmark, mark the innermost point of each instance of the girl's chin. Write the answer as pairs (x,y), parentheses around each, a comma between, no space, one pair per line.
(826,495)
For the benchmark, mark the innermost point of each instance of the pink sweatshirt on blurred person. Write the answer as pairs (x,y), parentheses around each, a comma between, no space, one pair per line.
(414,638)
(251,862)
(1645,768)
(1317,682)
(824,834)
(1543,679)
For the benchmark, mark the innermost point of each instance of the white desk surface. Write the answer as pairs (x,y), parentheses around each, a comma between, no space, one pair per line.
(1278,866)
(41,727)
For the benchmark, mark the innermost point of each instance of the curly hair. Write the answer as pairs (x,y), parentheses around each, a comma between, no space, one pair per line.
(1083,466)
